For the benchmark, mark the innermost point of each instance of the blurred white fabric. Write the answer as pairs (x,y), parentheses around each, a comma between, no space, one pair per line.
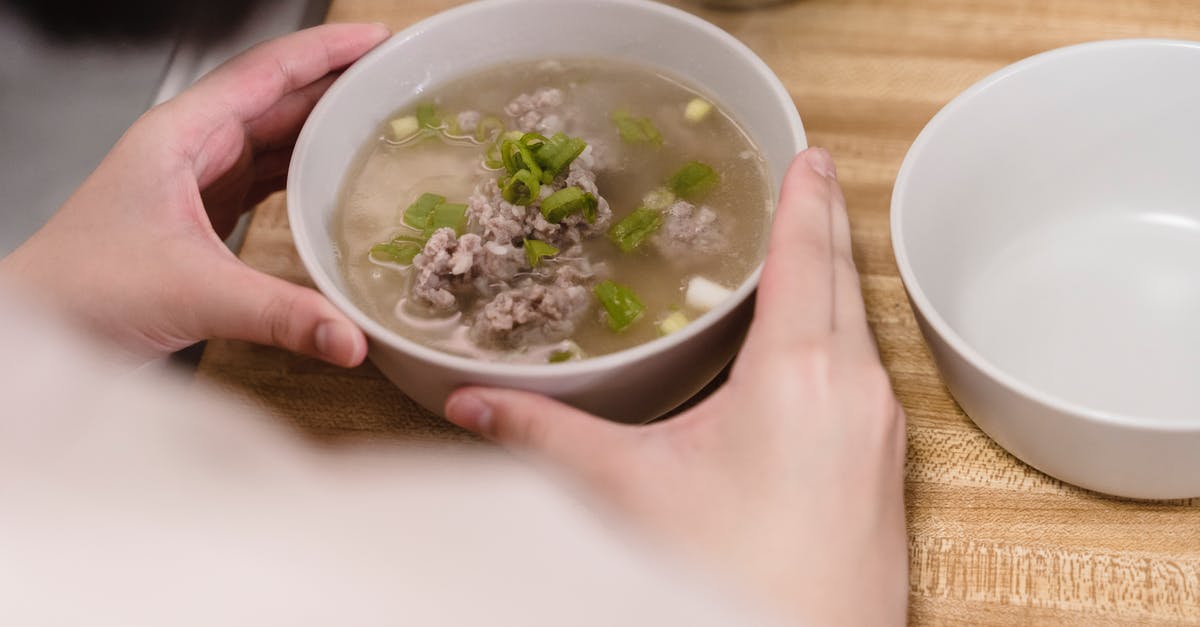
(133,498)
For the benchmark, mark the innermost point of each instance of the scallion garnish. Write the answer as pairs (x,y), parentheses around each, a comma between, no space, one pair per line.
(417,214)
(557,206)
(621,304)
(521,188)
(535,250)
(558,357)
(516,156)
(556,154)
(447,215)
(631,231)
(489,128)
(427,116)
(396,251)
(636,130)
(693,180)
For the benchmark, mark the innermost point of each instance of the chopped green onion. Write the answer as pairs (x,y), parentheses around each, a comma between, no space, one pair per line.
(621,304)
(521,188)
(401,252)
(417,214)
(427,116)
(447,215)
(404,127)
(513,135)
(491,157)
(630,232)
(488,128)
(636,130)
(532,140)
(558,357)
(659,199)
(517,156)
(697,110)
(557,153)
(557,206)
(536,249)
(693,180)
(672,323)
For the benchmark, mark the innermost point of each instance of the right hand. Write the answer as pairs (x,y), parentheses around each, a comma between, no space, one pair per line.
(789,478)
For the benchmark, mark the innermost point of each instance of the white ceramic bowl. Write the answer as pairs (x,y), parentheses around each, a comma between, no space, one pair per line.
(633,385)
(1047,227)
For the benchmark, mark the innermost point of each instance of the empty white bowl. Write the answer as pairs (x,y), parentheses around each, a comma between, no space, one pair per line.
(1047,227)
(633,385)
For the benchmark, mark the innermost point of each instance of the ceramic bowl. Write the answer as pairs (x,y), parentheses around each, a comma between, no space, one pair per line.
(1046,224)
(633,385)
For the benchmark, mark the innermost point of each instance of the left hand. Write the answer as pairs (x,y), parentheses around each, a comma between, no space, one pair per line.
(136,253)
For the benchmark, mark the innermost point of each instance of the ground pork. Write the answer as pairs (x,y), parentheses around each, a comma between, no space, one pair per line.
(449,263)
(688,230)
(502,221)
(532,313)
(535,112)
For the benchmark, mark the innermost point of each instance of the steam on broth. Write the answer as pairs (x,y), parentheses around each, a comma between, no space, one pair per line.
(551,211)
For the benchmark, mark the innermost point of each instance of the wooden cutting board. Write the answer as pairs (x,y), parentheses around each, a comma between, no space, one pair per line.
(992,541)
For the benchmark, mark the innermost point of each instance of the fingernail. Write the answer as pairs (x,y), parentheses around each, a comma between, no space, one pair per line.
(327,337)
(820,161)
(470,412)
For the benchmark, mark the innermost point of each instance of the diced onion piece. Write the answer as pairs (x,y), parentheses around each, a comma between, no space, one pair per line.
(704,294)
(622,305)
(697,110)
(659,199)
(672,323)
(403,127)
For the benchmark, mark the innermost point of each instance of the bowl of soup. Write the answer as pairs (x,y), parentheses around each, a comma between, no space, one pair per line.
(570,197)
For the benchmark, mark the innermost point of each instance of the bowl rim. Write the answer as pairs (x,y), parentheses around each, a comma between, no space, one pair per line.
(304,240)
(925,305)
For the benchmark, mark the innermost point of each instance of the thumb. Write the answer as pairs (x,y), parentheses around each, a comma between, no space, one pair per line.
(241,303)
(533,422)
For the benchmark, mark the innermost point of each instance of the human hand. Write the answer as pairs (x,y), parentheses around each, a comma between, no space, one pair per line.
(136,253)
(789,478)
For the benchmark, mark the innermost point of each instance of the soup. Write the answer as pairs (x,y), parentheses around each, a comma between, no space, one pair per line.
(551,211)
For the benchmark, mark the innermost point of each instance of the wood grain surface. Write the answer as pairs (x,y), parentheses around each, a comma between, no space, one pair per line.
(992,541)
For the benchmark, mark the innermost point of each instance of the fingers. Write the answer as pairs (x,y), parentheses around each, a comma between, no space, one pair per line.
(234,301)
(278,127)
(523,420)
(253,82)
(795,294)
(849,312)
(210,121)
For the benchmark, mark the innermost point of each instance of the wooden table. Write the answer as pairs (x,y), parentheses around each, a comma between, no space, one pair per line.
(992,541)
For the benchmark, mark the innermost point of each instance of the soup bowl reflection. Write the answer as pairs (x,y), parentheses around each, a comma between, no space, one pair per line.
(633,385)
